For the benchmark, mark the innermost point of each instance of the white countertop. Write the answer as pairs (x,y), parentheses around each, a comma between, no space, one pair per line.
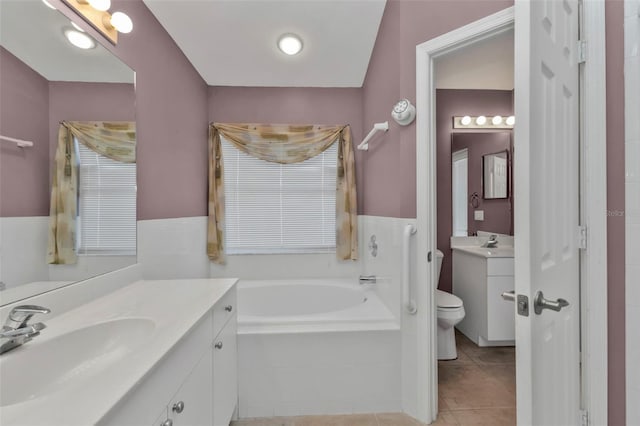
(504,251)
(175,306)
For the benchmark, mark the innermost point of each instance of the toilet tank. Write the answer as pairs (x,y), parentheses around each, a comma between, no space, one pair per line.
(439,257)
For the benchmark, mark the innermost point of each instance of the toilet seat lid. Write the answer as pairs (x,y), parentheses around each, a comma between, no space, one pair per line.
(447,300)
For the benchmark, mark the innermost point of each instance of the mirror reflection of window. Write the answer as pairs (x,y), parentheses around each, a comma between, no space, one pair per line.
(495,175)
(106,205)
(460,172)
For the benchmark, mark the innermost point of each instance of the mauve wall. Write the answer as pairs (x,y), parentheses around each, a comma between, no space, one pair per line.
(616,202)
(75,101)
(331,106)
(450,102)
(24,172)
(171,117)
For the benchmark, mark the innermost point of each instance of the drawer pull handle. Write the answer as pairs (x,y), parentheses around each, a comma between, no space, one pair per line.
(228,308)
(178,407)
(218,345)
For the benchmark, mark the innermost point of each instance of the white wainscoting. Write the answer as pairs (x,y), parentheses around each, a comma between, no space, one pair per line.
(23,249)
(632,205)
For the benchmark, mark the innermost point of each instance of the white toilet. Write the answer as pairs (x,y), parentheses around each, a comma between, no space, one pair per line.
(450,313)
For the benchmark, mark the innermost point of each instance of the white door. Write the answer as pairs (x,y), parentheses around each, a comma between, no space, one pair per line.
(546,177)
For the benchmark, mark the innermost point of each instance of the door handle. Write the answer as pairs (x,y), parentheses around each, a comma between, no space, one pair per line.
(509,296)
(540,304)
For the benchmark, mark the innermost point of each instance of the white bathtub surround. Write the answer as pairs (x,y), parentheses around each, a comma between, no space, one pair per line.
(134,328)
(23,245)
(340,357)
(176,248)
(387,264)
(632,204)
(173,248)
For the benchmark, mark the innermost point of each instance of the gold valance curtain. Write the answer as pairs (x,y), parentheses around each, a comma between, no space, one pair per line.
(115,140)
(284,144)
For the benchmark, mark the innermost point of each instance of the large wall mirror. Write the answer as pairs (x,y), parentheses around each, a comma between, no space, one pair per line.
(45,81)
(481,183)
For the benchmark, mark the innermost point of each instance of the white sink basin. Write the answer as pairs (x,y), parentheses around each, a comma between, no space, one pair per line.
(487,252)
(39,368)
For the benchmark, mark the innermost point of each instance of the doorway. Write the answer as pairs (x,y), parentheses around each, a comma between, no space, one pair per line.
(474,151)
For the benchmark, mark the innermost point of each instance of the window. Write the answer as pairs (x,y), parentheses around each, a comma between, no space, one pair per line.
(106,206)
(279,208)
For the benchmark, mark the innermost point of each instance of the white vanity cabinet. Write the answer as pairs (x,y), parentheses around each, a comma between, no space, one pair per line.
(479,279)
(196,382)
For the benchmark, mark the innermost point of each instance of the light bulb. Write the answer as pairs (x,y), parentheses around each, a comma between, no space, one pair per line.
(481,120)
(497,120)
(80,40)
(466,120)
(511,120)
(101,5)
(290,44)
(121,22)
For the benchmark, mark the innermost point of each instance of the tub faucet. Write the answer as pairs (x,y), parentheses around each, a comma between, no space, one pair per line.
(17,331)
(367,279)
(493,241)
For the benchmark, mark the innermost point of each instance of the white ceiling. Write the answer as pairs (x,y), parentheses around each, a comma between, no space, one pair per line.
(233,42)
(487,64)
(34,34)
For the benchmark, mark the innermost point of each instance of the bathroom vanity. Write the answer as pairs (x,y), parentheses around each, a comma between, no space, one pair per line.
(480,276)
(154,352)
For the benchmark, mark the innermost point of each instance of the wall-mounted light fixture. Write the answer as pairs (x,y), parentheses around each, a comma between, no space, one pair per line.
(484,122)
(96,12)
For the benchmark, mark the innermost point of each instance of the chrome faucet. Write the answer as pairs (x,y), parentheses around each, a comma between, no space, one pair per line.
(17,331)
(493,241)
(367,279)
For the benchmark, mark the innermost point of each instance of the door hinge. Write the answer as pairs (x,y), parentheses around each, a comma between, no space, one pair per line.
(582,51)
(584,418)
(582,237)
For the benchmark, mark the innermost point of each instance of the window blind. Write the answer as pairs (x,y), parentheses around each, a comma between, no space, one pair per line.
(279,208)
(106,205)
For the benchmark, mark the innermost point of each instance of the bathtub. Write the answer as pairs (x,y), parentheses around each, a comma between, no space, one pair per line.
(315,346)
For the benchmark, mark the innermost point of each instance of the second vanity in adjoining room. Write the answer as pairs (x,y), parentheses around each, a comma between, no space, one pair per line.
(480,276)
(153,352)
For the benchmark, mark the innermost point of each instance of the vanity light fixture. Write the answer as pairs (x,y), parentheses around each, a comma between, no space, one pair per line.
(79,39)
(481,122)
(290,44)
(96,13)
(101,5)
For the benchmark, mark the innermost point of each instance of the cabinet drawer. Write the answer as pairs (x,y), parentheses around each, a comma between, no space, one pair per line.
(500,266)
(224,309)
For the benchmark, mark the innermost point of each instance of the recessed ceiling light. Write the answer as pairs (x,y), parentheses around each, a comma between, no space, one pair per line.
(290,44)
(80,40)
(49,5)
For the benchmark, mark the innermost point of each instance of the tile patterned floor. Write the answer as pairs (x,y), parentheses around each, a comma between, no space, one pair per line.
(478,388)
